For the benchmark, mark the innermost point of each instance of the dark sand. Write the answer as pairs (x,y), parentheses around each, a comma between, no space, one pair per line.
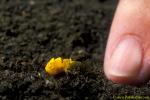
(33,31)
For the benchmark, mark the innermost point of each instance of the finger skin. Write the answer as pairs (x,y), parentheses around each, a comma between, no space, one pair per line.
(132,18)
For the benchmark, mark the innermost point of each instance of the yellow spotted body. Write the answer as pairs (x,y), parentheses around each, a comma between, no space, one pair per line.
(58,65)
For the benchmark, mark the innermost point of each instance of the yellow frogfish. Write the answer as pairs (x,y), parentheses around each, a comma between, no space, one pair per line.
(58,65)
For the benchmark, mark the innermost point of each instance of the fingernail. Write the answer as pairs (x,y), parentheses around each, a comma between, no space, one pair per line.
(126,58)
